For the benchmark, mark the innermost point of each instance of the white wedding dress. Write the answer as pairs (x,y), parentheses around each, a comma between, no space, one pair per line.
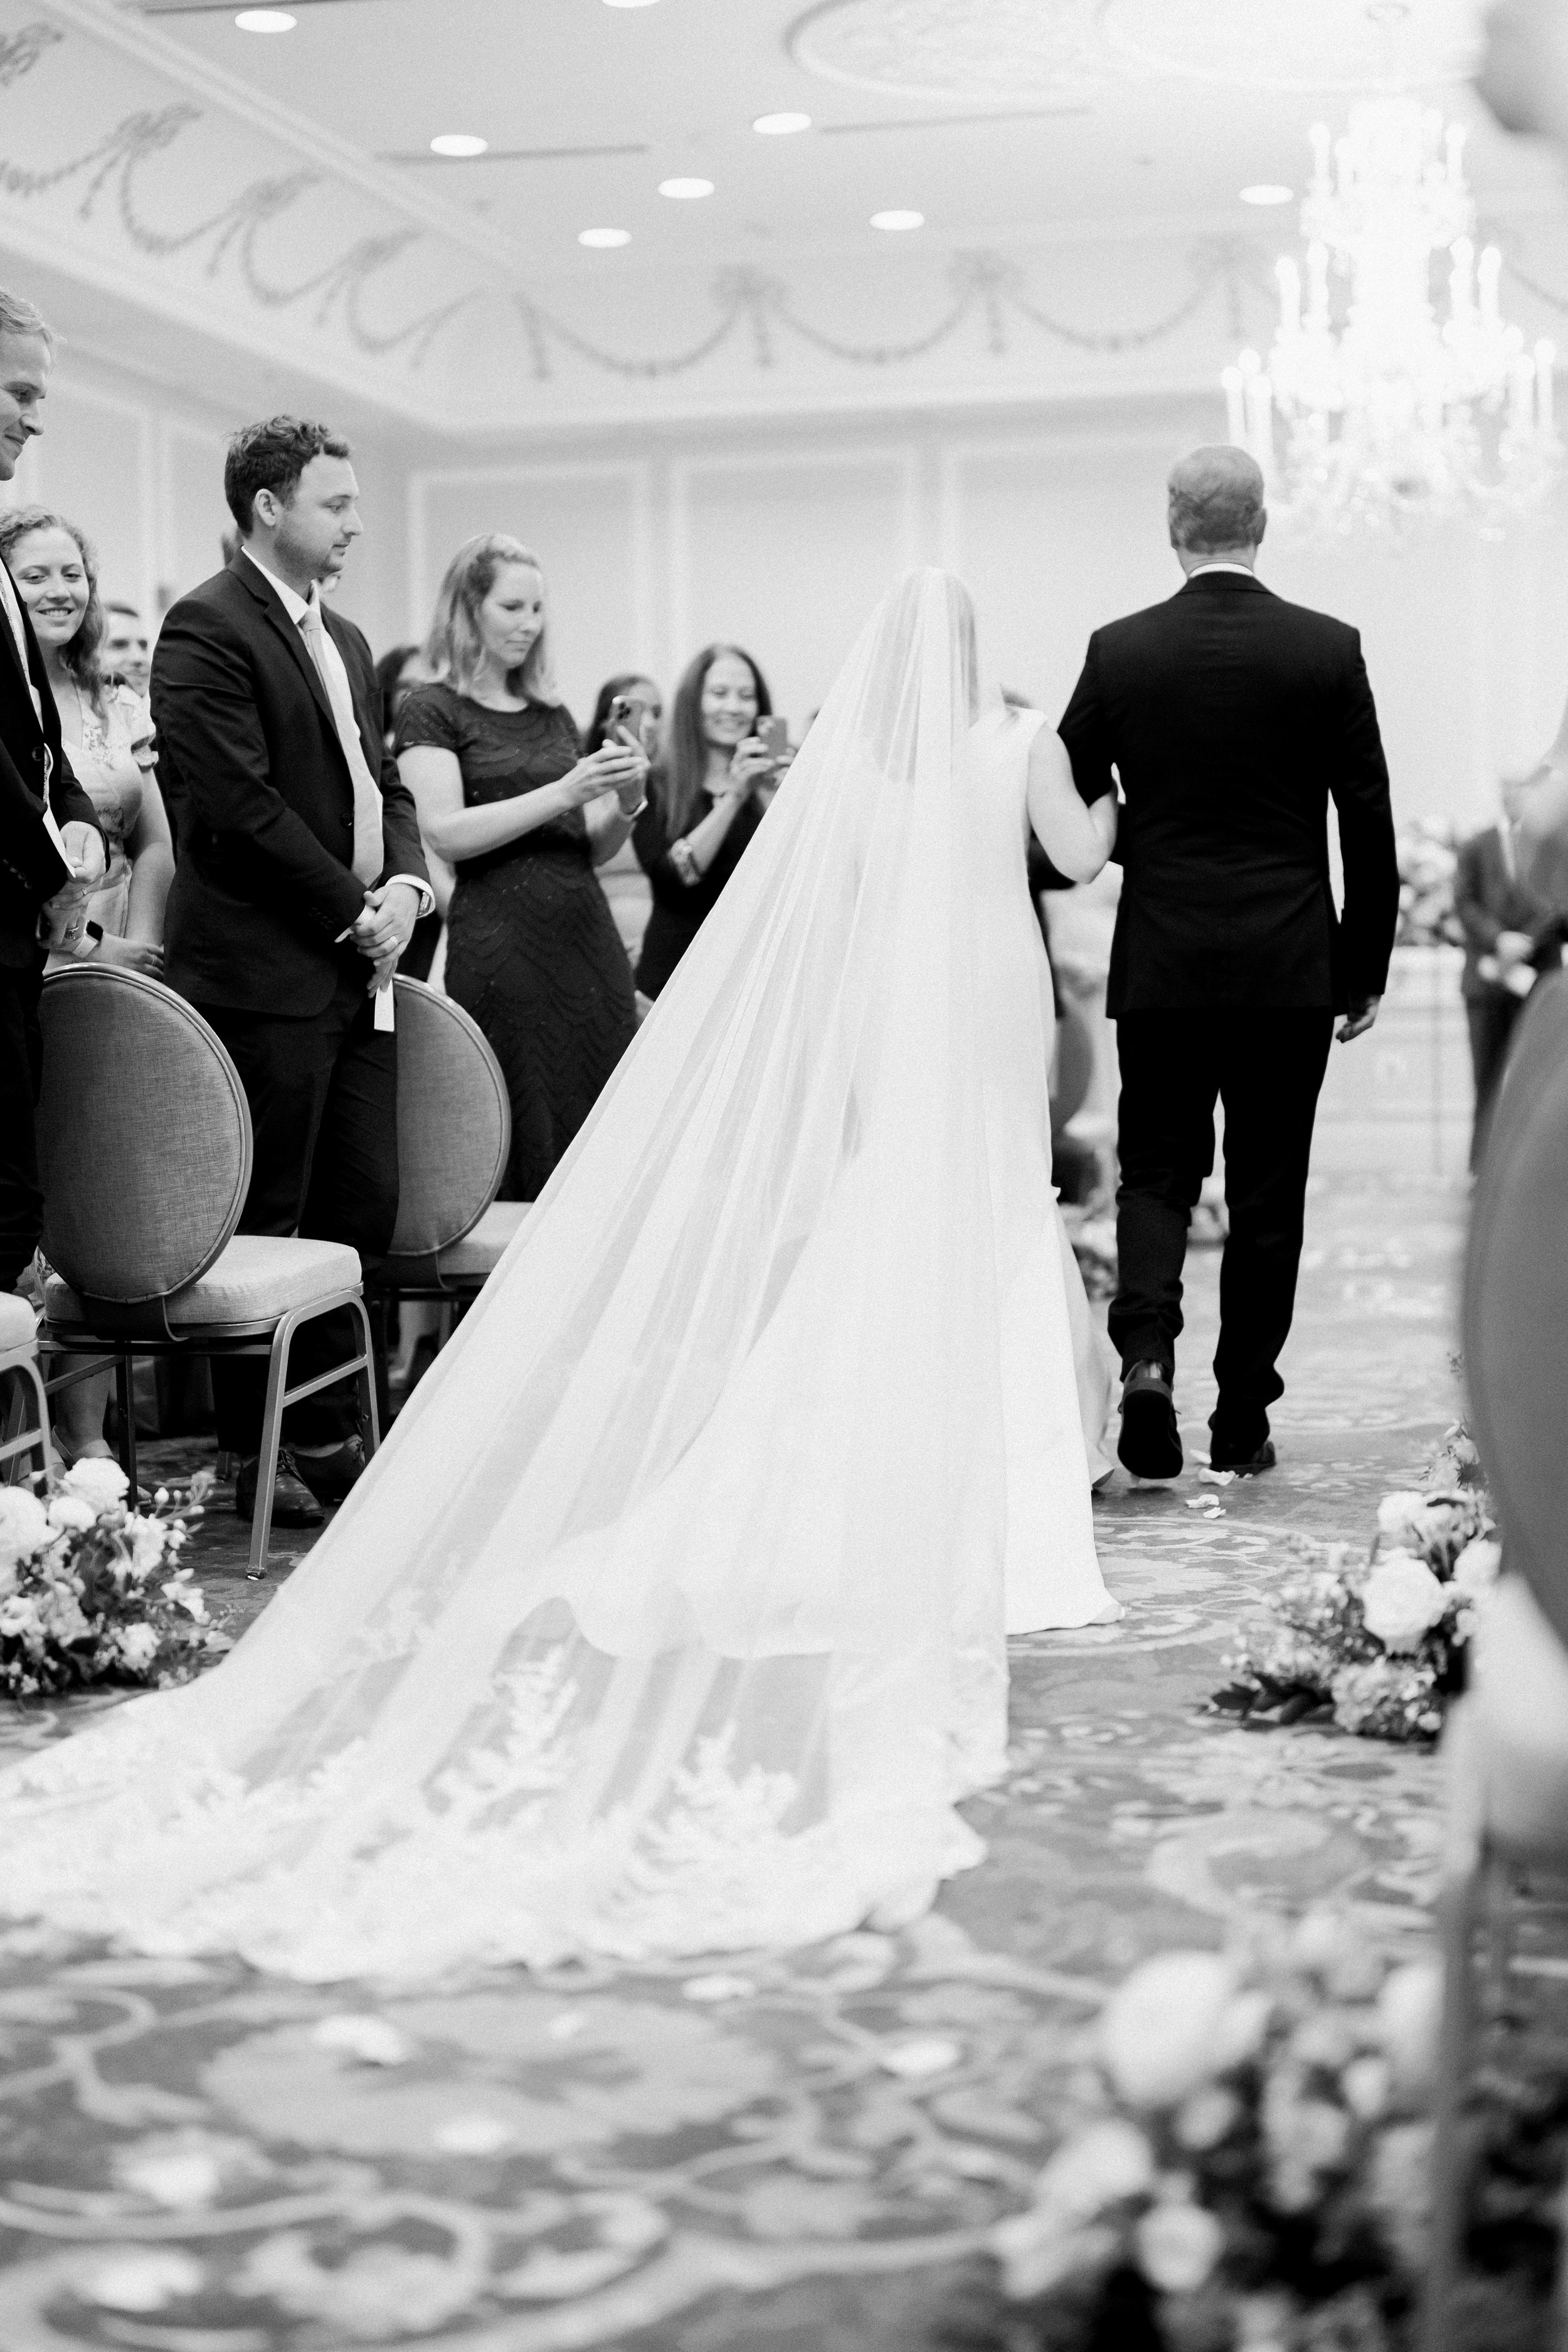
(671,1616)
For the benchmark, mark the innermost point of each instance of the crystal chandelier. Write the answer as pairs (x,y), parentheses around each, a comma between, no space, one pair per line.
(1388,415)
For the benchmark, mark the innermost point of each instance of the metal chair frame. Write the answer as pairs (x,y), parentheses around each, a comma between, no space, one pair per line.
(264,1337)
(24,1363)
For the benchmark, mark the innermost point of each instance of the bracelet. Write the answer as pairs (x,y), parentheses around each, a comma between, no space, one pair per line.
(630,816)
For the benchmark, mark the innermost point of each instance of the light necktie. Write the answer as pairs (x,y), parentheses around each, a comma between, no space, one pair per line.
(369,855)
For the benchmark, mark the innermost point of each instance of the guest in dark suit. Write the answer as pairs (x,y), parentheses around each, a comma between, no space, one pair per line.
(298,880)
(1511,935)
(51,850)
(1231,718)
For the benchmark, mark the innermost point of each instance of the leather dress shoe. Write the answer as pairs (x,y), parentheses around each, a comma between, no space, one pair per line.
(1151,1443)
(293,1505)
(1242,1465)
(330,1476)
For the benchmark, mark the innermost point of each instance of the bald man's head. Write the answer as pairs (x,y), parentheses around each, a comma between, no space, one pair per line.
(1216,501)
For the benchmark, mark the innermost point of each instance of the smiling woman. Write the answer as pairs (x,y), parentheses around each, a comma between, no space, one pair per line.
(492,759)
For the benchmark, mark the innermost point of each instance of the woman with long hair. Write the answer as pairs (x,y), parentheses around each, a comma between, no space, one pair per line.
(705,802)
(107,731)
(508,801)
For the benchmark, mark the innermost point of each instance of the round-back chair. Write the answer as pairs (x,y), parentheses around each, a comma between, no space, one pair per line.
(453,1132)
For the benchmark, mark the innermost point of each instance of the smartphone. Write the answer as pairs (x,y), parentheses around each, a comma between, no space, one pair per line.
(626,722)
(773,734)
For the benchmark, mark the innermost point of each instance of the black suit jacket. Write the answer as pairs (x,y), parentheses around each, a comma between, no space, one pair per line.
(260,798)
(1231,718)
(31,868)
(1488,899)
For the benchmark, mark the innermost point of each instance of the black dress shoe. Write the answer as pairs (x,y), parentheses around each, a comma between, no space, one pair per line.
(330,1476)
(1151,1443)
(1242,1465)
(293,1505)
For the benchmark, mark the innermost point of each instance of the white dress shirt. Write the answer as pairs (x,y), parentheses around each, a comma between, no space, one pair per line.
(297,608)
(1245,569)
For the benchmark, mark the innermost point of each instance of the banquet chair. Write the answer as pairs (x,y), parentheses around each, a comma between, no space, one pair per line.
(19,1357)
(454,1139)
(144,1151)
(1505,1743)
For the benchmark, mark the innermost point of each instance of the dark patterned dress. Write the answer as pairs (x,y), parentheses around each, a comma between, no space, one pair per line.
(532,950)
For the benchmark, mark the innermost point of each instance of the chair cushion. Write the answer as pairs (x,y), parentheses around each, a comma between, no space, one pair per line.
(258,1277)
(19,1324)
(476,1255)
(1517,1727)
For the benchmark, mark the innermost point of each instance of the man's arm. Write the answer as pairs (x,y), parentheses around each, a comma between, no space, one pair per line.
(204,702)
(1084,732)
(72,803)
(1359,782)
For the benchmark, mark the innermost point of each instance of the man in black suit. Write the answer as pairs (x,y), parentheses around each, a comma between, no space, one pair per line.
(51,850)
(1230,718)
(1511,935)
(298,879)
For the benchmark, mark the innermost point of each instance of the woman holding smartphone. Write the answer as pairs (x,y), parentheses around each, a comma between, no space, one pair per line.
(508,802)
(704,804)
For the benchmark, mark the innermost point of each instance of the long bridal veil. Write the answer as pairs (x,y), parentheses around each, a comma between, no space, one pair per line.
(670,1616)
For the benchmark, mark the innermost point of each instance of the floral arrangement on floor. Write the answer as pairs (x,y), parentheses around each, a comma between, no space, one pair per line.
(1252,2170)
(1376,1644)
(92,1591)
(1427,856)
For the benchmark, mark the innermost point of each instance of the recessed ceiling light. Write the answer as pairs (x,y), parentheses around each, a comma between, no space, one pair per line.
(628,4)
(686,187)
(265,20)
(457,143)
(1268,191)
(897,220)
(779,126)
(602,239)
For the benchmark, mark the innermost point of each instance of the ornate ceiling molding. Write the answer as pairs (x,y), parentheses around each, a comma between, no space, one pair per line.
(1009,52)
(1310,46)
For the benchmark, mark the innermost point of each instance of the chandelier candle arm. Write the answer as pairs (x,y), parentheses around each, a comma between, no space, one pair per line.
(1374,409)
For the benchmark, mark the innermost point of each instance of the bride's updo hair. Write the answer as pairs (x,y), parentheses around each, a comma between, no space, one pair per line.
(455,646)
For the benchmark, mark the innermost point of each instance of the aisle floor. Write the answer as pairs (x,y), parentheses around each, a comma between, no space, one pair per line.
(787,2153)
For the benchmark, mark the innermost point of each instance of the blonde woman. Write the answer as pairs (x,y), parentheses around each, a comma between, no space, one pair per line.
(510,805)
(107,731)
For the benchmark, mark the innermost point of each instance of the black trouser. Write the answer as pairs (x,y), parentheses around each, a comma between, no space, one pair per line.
(1492,1020)
(1266,1067)
(323,1110)
(21,1067)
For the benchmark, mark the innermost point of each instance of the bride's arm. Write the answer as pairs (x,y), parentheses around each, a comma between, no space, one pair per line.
(1077,840)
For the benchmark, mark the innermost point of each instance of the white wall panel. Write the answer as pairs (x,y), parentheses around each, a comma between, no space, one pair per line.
(787,553)
(587,524)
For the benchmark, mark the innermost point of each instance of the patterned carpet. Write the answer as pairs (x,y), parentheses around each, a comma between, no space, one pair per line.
(789,2154)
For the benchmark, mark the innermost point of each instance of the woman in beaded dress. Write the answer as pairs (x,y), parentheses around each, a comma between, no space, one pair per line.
(107,731)
(506,799)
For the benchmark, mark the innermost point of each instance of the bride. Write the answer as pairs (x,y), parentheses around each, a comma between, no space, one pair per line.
(671,1618)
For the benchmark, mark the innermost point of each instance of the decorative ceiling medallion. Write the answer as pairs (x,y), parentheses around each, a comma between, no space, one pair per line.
(1000,52)
(1289,45)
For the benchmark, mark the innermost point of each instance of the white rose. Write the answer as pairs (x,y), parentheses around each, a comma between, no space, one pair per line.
(1161,2034)
(23,1524)
(98,1481)
(70,1511)
(1402,1600)
(1098,2167)
(138,1647)
(1399,1516)
(1476,1569)
(1177,2247)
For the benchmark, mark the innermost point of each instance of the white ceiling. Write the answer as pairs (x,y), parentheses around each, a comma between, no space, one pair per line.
(1079,163)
